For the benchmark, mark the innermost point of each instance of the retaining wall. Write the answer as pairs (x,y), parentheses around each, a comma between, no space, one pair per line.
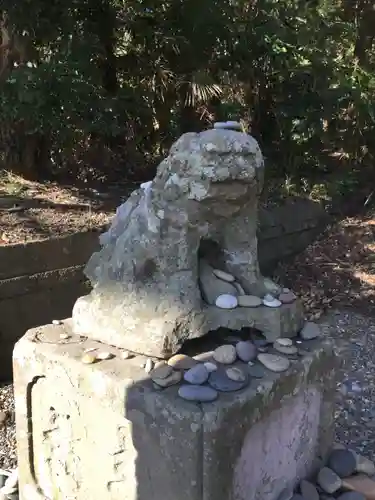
(40,281)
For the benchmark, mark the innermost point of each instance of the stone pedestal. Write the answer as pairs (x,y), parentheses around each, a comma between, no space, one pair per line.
(102,432)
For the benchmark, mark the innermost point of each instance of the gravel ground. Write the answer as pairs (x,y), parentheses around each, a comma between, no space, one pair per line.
(355,410)
(355,414)
(8,454)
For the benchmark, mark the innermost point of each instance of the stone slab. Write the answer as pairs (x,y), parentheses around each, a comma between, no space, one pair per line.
(101,432)
(285,321)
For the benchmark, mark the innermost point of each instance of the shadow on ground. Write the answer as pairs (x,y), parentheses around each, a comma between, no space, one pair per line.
(338,270)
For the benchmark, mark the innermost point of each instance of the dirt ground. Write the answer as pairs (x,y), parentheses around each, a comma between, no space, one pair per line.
(338,270)
(32,211)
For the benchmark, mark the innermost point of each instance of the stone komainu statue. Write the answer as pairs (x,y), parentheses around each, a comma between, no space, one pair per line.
(199,211)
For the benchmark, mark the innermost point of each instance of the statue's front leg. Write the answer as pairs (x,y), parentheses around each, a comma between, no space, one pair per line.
(240,250)
(243,264)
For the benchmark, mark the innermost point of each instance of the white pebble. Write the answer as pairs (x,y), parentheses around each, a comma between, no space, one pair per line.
(56,322)
(64,336)
(149,365)
(272,303)
(105,355)
(226,301)
(285,342)
(126,355)
(225,354)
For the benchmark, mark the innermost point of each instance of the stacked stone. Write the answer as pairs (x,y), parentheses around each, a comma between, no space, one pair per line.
(228,368)
(345,476)
(223,290)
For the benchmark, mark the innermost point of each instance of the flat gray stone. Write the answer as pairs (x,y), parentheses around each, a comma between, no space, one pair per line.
(197,375)
(204,356)
(308,490)
(174,378)
(225,354)
(285,342)
(274,362)
(328,480)
(285,349)
(220,381)
(182,362)
(198,393)
(211,286)
(310,331)
(249,301)
(342,462)
(237,374)
(246,351)
(351,495)
(161,370)
(222,275)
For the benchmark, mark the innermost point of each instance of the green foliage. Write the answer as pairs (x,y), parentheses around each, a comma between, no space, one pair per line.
(134,75)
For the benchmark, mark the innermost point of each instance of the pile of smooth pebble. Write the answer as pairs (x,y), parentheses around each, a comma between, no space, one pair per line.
(275,298)
(345,476)
(230,366)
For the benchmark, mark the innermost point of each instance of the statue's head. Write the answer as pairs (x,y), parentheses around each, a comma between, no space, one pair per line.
(205,166)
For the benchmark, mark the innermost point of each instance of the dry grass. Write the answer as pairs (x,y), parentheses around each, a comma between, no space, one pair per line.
(34,211)
(338,270)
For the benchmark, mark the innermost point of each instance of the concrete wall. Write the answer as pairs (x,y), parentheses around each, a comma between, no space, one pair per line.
(287,229)
(40,281)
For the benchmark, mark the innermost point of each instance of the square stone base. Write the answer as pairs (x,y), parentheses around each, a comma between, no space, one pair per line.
(102,432)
